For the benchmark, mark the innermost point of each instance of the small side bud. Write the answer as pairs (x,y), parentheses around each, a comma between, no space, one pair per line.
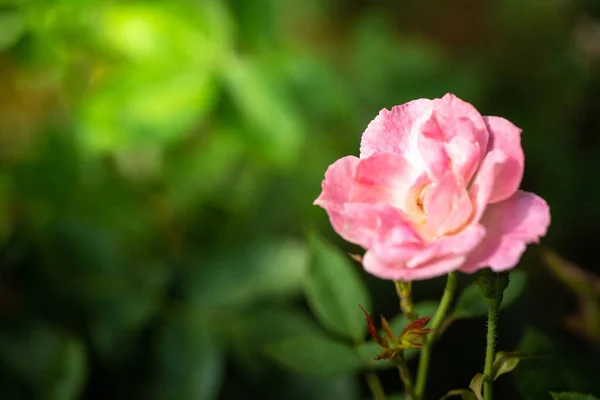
(492,285)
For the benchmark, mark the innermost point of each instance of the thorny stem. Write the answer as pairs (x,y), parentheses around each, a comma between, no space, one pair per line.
(490,353)
(439,317)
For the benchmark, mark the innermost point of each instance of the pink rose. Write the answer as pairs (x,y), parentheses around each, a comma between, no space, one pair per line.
(435,190)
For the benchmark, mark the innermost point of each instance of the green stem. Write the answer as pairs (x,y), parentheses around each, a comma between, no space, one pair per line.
(439,317)
(405,377)
(404,290)
(375,386)
(490,353)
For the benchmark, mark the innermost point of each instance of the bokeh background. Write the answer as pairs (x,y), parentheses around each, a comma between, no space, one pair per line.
(159,161)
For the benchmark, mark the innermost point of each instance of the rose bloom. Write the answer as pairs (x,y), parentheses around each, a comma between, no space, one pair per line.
(435,190)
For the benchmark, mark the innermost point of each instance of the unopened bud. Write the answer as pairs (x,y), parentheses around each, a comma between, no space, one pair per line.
(492,285)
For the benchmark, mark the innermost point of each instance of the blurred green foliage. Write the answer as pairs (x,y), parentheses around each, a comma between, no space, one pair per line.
(158,166)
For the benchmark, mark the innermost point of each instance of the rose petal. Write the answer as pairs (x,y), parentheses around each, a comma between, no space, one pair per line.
(365,224)
(449,247)
(453,136)
(447,206)
(506,137)
(511,225)
(336,187)
(426,260)
(399,271)
(483,184)
(390,130)
(381,178)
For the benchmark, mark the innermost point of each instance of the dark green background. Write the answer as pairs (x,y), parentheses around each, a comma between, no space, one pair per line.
(159,161)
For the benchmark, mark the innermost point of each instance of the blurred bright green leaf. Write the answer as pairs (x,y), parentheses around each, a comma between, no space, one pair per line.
(143,108)
(189,360)
(12,26)
(572,396)
(315,355)
(54,364)
(471,304)
(270,267)
(158,34)
(334,290)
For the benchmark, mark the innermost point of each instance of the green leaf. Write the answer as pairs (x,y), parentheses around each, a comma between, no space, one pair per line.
(571,396)
(476,385)
(311,387)
(254,330)
(504,363)
(189,360)
(334,290)
(471,304)
(262,269)
(138,110)
(465,394)
(54,364)
(316,354)
(273,128)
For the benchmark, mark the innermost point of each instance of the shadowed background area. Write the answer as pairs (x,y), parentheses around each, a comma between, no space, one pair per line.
(159,161)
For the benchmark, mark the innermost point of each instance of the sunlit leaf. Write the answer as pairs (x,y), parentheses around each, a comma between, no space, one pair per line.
(137,109)
(12,26)
(315,355)
(334,290)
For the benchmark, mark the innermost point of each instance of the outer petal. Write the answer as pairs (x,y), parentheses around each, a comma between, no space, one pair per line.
(511,225)
(390,130)
(506,137)
(336,187)
(399,271)
(427,260)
